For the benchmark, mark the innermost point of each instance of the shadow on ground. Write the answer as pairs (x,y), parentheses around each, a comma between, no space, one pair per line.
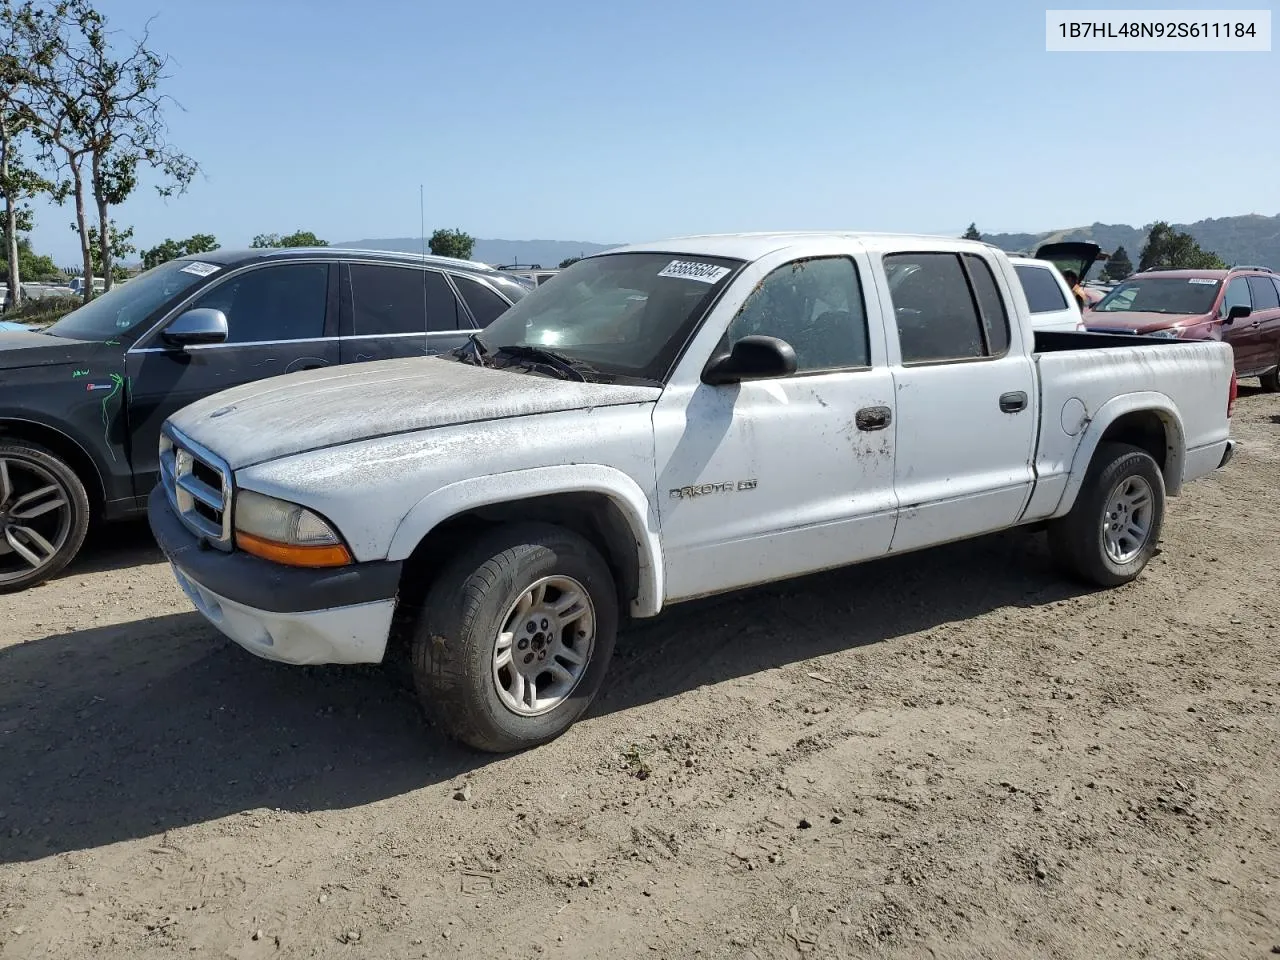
(119,732)
(115,546)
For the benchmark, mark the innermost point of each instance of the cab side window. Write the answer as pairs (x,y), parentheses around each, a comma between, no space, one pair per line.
(816,306)
(947,307)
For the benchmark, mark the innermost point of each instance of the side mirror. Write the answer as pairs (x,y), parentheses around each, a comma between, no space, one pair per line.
(752,358)
(1238,312)
(196,328)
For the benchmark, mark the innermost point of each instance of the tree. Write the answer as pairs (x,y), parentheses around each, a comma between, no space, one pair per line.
(31,265)
(1119,266)
(22,49)
(299,238)
(972,233)
(119,245)
(168,249)
(1170,249)
(452,243)
(568,262)
(90,107)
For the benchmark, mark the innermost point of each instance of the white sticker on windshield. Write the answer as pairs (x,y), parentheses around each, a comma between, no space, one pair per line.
(1202,280)
(201,269)
(689,270)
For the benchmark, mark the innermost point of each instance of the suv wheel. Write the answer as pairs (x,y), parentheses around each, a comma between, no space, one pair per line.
(515,637)
(44,515)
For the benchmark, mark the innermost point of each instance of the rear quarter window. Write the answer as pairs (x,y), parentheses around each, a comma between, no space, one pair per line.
(1042,290)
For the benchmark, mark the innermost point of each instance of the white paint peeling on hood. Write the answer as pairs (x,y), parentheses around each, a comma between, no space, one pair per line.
(315,409)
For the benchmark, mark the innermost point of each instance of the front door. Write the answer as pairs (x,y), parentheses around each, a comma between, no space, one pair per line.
(280,318)
(1244,335)
(966,400)
(760,480)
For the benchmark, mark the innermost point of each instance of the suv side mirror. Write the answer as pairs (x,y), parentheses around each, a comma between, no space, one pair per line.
(198,327)
(752,358)
(1238,312)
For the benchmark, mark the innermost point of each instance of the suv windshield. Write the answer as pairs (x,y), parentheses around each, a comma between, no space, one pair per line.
(1173,295)
(624,314)
(127,305)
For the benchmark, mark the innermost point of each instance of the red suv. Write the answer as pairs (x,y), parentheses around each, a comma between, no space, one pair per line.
(1240,306)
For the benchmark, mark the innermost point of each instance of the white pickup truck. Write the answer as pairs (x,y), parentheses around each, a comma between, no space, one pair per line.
(664,422)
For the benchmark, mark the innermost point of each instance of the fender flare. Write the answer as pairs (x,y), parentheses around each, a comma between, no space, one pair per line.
(1100,422)
(67,434)
(455,498)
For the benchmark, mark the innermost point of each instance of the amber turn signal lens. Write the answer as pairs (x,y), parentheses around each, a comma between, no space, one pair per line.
(319,555)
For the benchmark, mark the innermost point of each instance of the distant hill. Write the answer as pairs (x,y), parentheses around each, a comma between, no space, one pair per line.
(545,253)
(1252,239)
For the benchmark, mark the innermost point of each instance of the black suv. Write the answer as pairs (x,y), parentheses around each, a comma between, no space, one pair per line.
(81,402)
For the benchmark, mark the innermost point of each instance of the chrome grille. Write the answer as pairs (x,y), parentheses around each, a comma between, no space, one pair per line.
(198,485)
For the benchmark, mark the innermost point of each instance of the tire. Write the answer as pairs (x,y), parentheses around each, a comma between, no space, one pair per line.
(1079,540)
(1270,381)
(456,644)
(53,536)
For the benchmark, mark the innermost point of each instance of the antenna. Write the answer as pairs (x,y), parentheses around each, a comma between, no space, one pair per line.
(422,232)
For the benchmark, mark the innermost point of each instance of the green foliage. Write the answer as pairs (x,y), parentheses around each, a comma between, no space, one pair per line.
(1170,249)
(121,246)
(568,262)
(42,311)
(452,243)
(1118,267)
(971,233)
(299,238)
(31,266)
(173,249)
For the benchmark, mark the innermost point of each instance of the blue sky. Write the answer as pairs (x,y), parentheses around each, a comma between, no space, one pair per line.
(616,122)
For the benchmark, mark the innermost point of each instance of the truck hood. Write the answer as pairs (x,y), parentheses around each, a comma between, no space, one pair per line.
(1137,321)
(314,409)
(19,349)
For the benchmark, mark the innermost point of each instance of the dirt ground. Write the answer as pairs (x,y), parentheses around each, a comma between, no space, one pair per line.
(947,755)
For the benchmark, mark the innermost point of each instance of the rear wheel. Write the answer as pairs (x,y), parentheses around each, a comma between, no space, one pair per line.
(1271,381)
(1113,528)
(515,637)
(44,515)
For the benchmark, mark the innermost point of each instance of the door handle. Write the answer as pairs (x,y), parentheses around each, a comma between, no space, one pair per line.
(873,418)
(1013,402)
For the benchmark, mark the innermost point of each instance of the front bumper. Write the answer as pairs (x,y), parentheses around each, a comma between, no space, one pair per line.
(299,616)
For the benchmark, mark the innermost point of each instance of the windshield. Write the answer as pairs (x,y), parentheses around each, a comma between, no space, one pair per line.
(624,314)
(1174,295)
(127,305)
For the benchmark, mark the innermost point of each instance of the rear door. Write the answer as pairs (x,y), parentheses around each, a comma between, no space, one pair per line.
(966,398)
(1264,323)
(281,317)
(398,310)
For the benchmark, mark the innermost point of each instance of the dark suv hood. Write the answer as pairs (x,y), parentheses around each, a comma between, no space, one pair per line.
(19,350)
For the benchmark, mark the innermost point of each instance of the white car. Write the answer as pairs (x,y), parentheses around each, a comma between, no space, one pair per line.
(716,413)
(1048,297)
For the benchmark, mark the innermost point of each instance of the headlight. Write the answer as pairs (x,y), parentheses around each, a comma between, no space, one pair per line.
(1168,333)
(286,533)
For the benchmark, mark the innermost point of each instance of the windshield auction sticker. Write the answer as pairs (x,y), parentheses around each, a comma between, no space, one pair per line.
(1158,31)
(200,269)
(689,270)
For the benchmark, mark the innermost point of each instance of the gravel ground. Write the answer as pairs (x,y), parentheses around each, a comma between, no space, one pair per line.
(952,754)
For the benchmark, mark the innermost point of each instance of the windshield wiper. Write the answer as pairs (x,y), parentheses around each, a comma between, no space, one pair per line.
(556,362)
(472,352)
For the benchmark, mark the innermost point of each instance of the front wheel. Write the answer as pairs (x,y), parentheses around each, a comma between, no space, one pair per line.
(1113,528)
(44,515)
(515,637)
(1270,381)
